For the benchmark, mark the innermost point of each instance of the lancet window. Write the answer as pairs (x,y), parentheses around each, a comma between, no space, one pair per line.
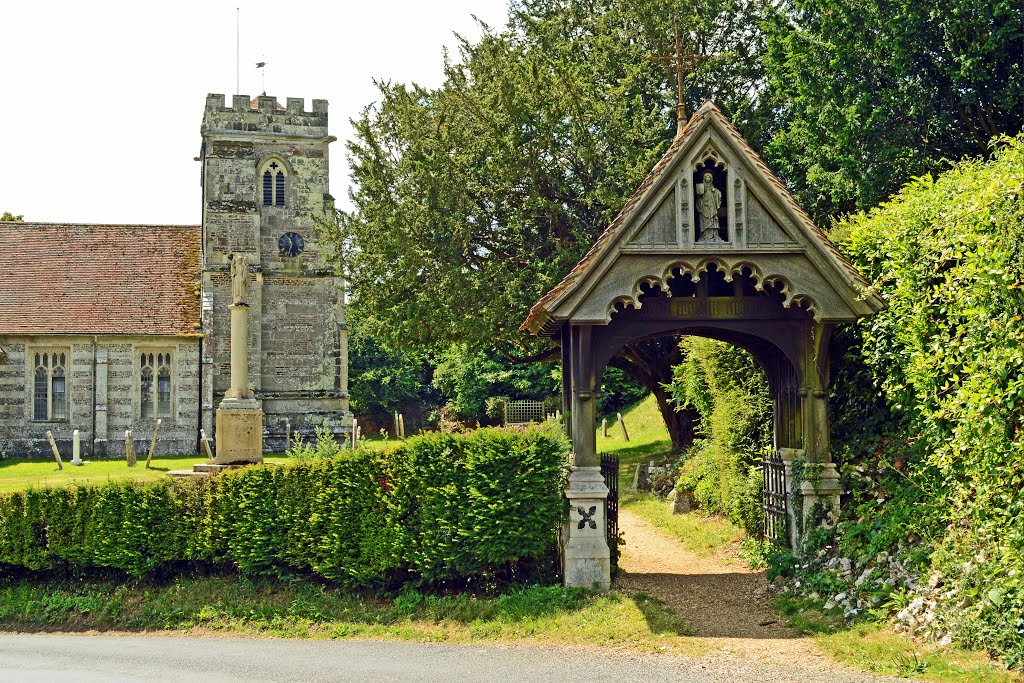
(50,385)
(155,386)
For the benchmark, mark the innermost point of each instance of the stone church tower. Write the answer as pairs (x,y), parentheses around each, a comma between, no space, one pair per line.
(265,180)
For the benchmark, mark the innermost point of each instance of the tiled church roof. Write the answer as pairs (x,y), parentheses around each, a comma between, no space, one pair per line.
(99,279)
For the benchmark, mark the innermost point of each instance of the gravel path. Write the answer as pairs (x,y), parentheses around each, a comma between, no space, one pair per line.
(723,602)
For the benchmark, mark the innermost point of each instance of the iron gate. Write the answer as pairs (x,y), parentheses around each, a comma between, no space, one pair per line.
(610,472)
(773,499)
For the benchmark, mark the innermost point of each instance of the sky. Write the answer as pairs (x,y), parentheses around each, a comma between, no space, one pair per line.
(102,101)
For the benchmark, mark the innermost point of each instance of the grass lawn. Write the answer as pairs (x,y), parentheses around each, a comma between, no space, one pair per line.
(18,474)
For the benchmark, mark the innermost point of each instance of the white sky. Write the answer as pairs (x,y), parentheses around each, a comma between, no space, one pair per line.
(101,102)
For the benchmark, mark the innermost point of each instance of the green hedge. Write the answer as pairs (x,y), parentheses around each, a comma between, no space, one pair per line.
(439,508)
(937,379)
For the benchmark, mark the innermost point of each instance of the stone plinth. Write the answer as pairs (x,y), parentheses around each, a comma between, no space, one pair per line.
(586,560)
(821,490)
(239,432)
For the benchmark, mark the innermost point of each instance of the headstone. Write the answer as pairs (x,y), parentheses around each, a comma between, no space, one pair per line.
(129,447)
(679,502)
(205,444)
(56,453)
(152,444)
(355,430)
(645,474)
(76,448)
(401,426)
(604,427)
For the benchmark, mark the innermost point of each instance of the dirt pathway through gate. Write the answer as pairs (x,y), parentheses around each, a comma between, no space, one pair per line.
(723,602)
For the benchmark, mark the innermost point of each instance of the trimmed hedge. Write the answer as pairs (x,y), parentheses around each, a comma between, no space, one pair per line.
(438,508)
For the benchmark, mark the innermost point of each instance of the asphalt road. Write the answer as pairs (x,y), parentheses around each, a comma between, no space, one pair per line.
(168,658)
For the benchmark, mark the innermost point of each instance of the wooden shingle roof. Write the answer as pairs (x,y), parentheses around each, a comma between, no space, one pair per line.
(58,278)
(604,246)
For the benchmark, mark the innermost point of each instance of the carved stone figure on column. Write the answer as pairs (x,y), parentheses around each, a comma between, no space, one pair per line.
(708,205)
(239,280)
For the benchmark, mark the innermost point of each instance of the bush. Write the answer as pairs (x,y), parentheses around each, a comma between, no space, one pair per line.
(477,508)
(730,393)
(928,397)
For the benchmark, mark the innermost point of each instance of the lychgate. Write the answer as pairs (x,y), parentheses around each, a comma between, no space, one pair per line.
(710,244)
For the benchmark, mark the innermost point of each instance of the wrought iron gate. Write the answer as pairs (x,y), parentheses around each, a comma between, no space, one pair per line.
(610,472)
(773,498)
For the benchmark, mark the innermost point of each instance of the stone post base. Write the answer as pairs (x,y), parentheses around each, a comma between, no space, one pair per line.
(821,490)
(239,432)
(586,561)
(789,456)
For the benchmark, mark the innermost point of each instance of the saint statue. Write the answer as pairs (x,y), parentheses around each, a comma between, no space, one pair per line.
(708,205)
(239,280)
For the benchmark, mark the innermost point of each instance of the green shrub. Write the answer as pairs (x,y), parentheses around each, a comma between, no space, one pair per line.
(730,392)
(476,508)
(936,383)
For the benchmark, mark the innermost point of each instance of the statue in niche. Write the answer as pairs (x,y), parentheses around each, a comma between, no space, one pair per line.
(708,205)
(239,280)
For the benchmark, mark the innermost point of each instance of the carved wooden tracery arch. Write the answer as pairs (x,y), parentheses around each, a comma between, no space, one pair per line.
(776,287)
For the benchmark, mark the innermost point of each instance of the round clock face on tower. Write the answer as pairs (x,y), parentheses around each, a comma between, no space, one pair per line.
(291,244)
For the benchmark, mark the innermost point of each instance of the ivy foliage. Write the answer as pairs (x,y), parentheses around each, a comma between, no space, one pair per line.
(944,365)
(441,509)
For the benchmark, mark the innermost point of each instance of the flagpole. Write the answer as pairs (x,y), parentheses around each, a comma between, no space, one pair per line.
(238,40)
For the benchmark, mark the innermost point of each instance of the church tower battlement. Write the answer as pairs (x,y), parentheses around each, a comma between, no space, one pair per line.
(265,178)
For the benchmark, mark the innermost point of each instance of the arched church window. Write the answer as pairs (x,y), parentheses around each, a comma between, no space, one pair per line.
(274,180)
(49,385)
(155,384)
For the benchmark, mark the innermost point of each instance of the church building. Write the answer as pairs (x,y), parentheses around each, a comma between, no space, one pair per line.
(105,328)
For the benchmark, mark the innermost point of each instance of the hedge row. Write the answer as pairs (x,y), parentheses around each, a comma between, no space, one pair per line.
(432,509)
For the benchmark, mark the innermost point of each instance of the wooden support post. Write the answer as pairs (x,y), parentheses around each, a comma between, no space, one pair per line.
(129,447)
(287,435)
(401,426)
(56,453)
(604,427)
(206,445)
(622,424)
(152,444)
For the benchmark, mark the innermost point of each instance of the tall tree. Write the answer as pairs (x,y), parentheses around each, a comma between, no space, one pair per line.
(473,199)
(871,93)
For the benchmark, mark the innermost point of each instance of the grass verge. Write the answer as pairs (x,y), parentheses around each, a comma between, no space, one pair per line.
(874,646)
(296,609)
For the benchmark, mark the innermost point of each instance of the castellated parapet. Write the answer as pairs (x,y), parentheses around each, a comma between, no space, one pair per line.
(264,114)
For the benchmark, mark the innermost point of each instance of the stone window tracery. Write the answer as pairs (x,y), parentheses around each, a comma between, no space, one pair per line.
(274,176)
(155,384)
(49,385)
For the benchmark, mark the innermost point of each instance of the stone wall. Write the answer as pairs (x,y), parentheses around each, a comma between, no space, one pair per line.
(103,372)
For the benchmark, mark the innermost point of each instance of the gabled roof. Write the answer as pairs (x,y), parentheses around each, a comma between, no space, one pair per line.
(60,278)
(707,115)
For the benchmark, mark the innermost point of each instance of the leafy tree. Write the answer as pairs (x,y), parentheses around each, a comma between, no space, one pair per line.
(467,378)
(8,216)
(383,381)
(872,93)
(473,199)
